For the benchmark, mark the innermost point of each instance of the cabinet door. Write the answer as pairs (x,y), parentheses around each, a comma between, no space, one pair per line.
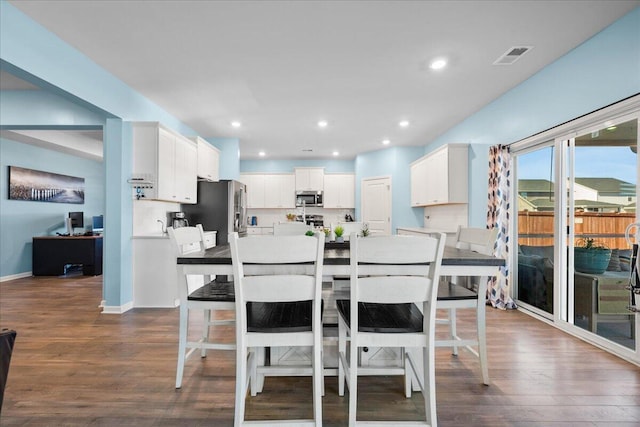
(166,166)
(208,161)
(438,178)
(309,179)
(419,183)
(255,190)
(279,191)
(339,191)
(188,178)
(316,179)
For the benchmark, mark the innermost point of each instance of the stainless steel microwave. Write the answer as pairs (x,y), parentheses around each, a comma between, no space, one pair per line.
(308,198)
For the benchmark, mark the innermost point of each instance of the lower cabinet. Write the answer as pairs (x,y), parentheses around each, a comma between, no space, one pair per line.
(155,272)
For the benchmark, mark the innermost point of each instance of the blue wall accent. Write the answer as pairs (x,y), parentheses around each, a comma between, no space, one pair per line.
(603,70)
(118,271)
(287,166)
(393,162)
(229,156)
(39,108)
(22,220)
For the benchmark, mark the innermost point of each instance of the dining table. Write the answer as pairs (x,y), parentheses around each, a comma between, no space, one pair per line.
(217,261)
(455,262)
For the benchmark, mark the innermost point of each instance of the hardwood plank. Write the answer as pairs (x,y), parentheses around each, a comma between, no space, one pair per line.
(74,366)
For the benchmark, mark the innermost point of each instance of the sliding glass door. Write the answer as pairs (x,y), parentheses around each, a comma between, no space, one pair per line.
(576,194)
(602,174)
(535,225)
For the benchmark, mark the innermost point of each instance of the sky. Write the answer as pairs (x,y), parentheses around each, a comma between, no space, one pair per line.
(591,162)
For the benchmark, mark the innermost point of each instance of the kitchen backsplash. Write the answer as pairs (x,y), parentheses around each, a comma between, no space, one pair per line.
(146,214)
(267,217)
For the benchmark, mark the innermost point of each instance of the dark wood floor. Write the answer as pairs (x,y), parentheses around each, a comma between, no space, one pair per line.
(74,366)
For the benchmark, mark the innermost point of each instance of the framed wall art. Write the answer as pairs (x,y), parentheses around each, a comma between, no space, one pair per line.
(40,186)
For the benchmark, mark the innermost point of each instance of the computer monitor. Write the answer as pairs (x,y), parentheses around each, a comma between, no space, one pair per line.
(77,219)
(97,226)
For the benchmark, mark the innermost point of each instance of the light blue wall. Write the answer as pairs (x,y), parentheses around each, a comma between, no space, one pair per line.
(393,162)
(40,108)
(287,166)
(22,220)
(603,70)
(229,156)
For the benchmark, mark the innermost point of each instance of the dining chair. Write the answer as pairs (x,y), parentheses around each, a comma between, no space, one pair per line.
(392,304)
(198,292)
(293,228)
(278,285)
(453,295)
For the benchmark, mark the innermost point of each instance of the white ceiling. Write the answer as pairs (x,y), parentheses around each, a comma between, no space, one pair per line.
(280,66)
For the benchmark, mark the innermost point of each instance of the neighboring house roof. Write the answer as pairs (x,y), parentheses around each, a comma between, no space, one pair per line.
(535,186)
(609,186)
(543,204)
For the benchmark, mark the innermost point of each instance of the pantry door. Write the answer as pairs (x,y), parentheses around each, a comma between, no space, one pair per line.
(376,204)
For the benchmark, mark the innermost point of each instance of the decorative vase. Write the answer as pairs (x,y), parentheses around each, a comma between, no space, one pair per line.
(591,261)
(339,239)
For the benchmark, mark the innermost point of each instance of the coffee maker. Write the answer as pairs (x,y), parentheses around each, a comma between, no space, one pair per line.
(177,220)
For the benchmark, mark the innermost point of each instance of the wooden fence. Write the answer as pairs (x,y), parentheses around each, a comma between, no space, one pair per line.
(536,228)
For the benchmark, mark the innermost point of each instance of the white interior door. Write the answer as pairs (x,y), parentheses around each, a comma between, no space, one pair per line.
(376,204)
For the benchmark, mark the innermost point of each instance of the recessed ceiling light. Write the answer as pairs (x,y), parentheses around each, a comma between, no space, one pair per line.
(335,153)
(386,142)
(404,123)
(322,124)
(236,124)
(438,64)
(262,154)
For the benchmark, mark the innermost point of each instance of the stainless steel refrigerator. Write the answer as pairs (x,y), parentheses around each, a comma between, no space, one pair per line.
(221,207)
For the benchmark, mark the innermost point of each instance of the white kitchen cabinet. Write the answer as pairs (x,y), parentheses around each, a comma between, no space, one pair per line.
(309,179)
(339,191)
(167,160)
(275,191)
(208,160)
(279,191)
(255,189)
(441,177)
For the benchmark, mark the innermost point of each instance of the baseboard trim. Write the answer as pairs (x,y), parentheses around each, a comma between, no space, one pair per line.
(116,309)
(15,276)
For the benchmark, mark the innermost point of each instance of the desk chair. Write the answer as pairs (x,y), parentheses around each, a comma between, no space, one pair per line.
(278,284)
(393,282)
(452,296)
(198,292)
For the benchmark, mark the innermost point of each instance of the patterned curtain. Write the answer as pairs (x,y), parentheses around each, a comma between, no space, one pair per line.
(498,217)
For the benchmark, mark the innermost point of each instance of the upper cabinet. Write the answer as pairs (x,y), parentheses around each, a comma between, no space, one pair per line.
(441,177)
(208,160)
(167,160)
(309,179)
(269,190)
(339,191)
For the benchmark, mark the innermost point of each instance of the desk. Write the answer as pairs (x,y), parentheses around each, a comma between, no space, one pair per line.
(52,253)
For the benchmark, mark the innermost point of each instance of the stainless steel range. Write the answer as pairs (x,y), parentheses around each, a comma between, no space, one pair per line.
(312,220)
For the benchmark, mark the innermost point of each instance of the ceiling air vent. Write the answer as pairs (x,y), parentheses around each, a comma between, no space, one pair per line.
(512,55)
(307,150)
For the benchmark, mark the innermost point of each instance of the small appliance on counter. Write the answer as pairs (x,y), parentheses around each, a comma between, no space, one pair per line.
(348,218)
(177,219)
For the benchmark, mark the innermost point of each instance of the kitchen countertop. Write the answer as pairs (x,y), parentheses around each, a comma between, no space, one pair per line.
(160,235)
(426,230)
